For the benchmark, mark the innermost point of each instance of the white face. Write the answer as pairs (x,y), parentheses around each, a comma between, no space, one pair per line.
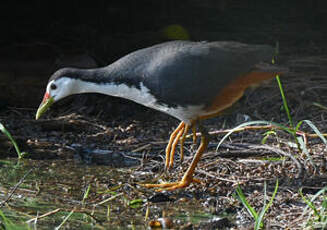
(60,88)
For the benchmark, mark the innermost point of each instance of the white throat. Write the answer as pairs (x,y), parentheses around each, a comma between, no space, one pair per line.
(141,96)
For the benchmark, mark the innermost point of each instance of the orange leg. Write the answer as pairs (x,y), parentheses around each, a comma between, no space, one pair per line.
(173,147)
(173,141)
(178,135)
(194,133)
(182,140)
(188,176)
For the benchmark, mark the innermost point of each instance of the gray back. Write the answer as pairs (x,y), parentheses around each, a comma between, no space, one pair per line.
(188,73)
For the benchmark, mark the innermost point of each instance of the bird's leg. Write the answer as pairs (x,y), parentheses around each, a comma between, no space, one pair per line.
(179,136)
(182,140)
(173,147)
(194,133)
(173,141)
(188,176)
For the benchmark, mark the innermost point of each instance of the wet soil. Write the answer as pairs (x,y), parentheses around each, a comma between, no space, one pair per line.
(111,146)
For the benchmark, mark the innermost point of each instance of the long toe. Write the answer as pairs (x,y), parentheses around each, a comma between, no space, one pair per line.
(173,185)
(163,185)
(171,146)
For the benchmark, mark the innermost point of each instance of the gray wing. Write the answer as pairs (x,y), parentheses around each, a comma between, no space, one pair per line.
(191,73)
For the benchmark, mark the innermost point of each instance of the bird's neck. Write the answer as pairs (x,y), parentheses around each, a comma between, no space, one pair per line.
(109,82)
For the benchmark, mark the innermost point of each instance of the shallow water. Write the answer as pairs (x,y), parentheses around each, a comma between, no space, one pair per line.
(114,201)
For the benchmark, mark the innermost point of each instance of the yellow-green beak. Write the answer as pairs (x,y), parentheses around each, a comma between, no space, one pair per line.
(44,106)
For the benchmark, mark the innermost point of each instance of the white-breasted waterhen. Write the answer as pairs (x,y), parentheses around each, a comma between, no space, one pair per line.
(188,80)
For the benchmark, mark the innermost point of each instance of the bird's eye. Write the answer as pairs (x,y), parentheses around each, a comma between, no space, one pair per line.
(53,86)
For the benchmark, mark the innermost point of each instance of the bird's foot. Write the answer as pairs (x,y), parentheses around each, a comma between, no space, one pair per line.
(173,185)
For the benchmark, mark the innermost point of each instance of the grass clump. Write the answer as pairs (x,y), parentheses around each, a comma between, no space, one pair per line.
(7,224)
(317,217)
(258,217)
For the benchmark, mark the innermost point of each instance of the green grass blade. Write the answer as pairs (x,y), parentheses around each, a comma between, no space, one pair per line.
(259,220)
(284,101)
(285,105)
(319,105)
(7,224)
(245,203)
(323,211)
(65,220)
(254,123)
(298,125)
(6,132)
(86,194)
(316,130)
(310,203)
(301,141)
(321,191)
(305,150)
(137,203)
(5,220)
(266,135)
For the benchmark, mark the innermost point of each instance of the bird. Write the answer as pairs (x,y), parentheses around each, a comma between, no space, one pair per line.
(189,80)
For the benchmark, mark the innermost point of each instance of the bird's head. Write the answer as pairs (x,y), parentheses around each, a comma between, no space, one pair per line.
(60,85)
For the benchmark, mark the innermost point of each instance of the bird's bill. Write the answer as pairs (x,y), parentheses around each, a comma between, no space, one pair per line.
(44,106)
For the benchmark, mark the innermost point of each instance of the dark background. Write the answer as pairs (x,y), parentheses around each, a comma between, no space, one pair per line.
(40,36)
